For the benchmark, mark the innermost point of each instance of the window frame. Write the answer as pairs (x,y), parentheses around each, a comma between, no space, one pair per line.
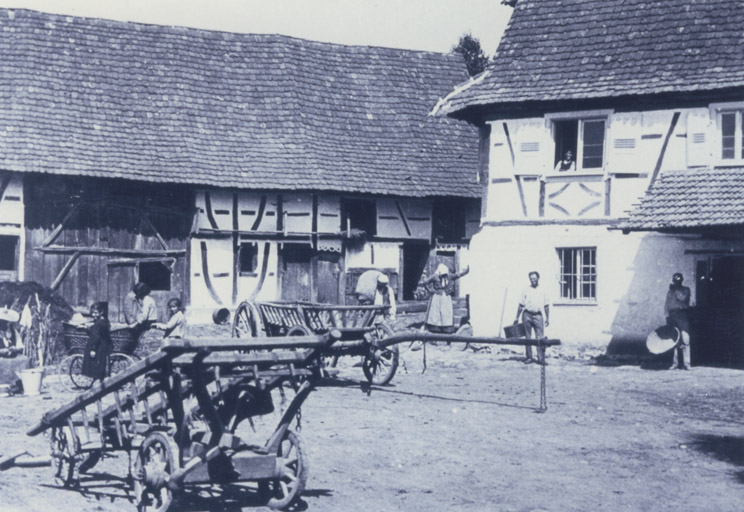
(582,117)
(580,279)
(718,110)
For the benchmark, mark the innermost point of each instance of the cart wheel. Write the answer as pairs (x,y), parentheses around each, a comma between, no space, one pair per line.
(286,490)
(380,365)
(245,322)
(77,381)
(157,459)
(65,450)
(119,362)
(298,330)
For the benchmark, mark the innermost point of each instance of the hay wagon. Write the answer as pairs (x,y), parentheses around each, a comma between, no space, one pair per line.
(361,330)
(177,413)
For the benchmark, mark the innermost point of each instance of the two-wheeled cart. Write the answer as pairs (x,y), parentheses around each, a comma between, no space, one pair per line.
(177,413)
(361,327)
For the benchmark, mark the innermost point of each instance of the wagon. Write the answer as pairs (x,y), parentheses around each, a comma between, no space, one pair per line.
(361,329)
(177,414)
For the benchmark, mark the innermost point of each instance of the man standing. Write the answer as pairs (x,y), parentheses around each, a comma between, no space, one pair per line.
(385,296)
(535,310)
(676,309)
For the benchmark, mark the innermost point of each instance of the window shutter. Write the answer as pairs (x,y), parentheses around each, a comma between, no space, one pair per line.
(699,132)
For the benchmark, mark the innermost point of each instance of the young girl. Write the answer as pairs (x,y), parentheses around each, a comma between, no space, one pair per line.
(176,326)
(98,348)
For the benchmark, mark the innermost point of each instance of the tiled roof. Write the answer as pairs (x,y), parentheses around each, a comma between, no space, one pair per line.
(578,49)
(691,198)
(101,98)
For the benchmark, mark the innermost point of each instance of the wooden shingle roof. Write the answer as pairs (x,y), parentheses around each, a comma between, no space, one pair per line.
(692,198)
(555,50)
(101,98)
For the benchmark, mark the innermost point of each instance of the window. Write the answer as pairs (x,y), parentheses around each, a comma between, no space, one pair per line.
(732,135)
(359,214)
(578,274)
(8,245)
(585,139)
(155,274)
(248,259)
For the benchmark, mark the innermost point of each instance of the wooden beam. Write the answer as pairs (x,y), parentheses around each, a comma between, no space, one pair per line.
(147,221)
(65,270)
(61,249)
(60,226)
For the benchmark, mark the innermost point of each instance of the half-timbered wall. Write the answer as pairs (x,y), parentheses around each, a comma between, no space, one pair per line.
(637,146)
(12,234)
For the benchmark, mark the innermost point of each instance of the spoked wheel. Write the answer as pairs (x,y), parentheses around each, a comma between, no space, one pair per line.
(75,380)
(284,491)
(246,323)
(65,450)
(380,365)
(119,362)
(156,460)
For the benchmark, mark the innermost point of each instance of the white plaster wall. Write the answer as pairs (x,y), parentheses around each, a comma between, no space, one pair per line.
(375,255)
(634,272)
(12,217)
(647,130)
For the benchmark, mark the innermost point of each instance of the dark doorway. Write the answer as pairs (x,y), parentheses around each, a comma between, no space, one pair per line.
(296,276)
(718,319)
(415,256)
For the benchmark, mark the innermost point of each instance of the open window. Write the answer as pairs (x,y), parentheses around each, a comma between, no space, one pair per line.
(584,138)
(8,253)
(248,259)
(156,275)
(359,214)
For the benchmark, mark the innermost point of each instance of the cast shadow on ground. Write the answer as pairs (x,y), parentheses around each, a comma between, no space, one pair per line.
(728,449)
(199,498)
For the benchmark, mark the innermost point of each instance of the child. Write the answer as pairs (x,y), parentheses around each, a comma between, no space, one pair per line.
(176,326)
(98,348)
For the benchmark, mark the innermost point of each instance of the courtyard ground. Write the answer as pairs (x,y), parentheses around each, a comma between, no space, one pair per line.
(465,435)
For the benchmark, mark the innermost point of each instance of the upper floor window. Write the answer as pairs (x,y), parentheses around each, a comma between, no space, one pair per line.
(732,135)
(579,144)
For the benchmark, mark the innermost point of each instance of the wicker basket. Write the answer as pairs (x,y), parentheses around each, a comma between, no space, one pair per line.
(123,339)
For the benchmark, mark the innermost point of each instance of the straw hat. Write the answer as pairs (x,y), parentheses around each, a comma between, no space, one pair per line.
(9,315)
(442,270)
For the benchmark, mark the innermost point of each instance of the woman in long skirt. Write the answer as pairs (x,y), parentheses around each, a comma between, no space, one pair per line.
(440,317)
(98,348)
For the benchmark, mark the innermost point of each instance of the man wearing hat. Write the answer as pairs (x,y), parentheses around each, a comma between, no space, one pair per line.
(676,309)
(385,296)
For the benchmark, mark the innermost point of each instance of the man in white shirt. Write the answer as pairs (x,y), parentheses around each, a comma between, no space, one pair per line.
(535,310)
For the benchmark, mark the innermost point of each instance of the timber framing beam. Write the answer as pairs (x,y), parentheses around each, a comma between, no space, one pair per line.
(60,249)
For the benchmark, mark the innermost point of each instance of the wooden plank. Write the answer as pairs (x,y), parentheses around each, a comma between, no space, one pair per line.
(65,270)
(58,249)
(265,343)
(98,391)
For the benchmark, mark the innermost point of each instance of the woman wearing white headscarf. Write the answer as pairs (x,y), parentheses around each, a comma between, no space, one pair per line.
(440,316)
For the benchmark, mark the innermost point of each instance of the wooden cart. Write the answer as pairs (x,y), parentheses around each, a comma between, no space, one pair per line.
(361,329)
(177,411)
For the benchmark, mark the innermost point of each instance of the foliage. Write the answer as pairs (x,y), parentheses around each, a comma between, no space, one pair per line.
(470,49)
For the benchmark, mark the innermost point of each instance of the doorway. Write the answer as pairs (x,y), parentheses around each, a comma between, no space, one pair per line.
(296,275)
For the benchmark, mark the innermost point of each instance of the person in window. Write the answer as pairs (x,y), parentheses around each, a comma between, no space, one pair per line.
(98,348)
(385,296)
(534,307)
(175,328)
(567,163)
(676,309)
(440,316)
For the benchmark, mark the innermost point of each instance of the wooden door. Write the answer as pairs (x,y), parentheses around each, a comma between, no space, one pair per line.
(121,279)
(296,277)
(329,271)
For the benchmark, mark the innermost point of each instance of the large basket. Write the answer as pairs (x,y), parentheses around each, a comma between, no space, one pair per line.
(123,339)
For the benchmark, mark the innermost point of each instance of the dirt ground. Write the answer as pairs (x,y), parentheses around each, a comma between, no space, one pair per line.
(465,435)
